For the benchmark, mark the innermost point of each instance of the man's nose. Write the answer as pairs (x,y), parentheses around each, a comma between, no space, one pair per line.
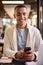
(22,16)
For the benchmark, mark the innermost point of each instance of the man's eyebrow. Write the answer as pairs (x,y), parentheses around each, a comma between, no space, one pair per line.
(23,12)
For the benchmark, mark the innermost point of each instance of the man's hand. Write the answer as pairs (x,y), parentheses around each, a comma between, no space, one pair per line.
(20,54)
(29,55)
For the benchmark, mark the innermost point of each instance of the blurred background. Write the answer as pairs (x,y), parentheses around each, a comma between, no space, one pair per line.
(35,15)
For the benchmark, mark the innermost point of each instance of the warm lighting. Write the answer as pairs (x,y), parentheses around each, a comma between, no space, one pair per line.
(41,20)
(41,8)
(13,2)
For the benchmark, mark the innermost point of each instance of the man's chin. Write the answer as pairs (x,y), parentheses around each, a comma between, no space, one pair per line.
(22,24)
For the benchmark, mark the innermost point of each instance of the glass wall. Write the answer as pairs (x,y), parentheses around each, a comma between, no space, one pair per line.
(41,17)
(8,18)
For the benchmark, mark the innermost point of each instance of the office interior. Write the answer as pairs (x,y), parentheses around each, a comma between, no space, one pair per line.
(7,16)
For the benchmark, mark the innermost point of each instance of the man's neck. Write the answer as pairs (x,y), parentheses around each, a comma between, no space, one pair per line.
(21,27)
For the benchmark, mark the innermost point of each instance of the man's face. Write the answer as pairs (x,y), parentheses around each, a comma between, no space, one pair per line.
(21,16)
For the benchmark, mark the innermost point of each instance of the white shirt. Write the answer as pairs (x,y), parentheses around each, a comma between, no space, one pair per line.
(10,40)
(21,38)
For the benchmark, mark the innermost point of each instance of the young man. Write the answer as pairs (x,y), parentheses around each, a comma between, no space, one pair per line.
(20,36)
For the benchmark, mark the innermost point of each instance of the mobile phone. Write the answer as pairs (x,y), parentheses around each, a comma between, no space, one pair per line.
(27,49)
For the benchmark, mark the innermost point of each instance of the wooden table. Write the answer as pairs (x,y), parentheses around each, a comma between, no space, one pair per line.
(5,61)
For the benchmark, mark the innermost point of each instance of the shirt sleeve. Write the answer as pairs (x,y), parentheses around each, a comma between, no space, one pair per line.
(38,41)
(7,48)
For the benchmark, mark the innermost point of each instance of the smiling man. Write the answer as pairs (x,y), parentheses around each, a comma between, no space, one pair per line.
(20,36)
(21,16)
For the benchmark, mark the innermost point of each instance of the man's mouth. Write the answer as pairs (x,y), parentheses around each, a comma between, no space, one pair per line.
(21,20)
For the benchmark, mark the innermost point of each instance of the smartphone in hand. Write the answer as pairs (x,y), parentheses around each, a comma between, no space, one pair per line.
(27,49)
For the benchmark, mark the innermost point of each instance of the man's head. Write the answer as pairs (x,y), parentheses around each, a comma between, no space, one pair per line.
(21,15)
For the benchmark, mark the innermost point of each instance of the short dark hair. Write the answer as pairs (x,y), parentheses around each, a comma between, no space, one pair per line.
(19,6)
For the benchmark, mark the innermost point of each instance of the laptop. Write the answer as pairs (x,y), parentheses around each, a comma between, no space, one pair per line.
(40,55)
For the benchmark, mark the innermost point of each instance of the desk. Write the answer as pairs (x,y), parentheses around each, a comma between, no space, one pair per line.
(30,63)
(5,61)
(9,62)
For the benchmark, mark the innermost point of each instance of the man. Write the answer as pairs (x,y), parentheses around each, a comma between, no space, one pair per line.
(20,36)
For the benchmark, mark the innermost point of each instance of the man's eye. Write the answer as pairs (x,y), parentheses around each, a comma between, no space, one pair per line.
(24,13)
(18,14)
